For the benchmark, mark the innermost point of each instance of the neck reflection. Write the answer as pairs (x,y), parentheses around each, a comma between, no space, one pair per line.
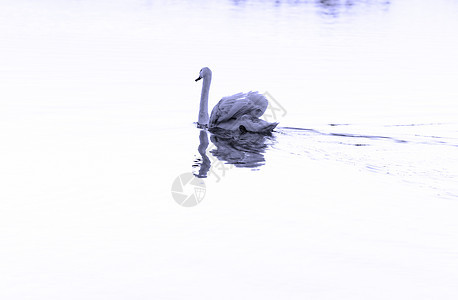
(202,163)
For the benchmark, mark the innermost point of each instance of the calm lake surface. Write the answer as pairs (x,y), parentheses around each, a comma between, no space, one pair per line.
(354,196)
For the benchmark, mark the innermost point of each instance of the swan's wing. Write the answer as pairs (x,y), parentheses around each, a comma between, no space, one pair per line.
(228,108)
(235,106)
(260,103)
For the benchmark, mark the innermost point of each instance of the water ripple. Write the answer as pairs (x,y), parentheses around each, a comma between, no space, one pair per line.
(424,155)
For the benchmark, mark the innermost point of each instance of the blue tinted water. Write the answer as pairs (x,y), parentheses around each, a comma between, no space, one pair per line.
(353,196)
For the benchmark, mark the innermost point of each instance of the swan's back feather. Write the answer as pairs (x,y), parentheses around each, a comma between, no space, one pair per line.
(238,105)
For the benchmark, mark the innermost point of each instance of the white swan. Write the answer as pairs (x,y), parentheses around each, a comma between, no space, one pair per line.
(237,112)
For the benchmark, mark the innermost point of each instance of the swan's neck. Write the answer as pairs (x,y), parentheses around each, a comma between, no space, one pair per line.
(203,111)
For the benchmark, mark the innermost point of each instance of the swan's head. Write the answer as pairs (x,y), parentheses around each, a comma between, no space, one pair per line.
(204,73)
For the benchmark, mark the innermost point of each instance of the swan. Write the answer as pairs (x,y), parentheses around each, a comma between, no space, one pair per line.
(237,112)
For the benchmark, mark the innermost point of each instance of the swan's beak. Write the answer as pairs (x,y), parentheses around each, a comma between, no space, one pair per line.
(198,78)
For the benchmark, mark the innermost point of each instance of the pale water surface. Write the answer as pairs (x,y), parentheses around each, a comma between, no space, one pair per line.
(354,196)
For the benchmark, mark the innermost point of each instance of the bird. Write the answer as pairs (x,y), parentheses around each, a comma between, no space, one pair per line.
(239,112)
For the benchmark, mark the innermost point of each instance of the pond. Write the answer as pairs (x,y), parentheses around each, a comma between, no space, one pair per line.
(110,191)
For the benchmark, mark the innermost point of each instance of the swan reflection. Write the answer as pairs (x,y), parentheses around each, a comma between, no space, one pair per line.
(241,149)
(228,149)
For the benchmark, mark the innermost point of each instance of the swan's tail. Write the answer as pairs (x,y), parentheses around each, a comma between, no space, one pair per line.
(254,124)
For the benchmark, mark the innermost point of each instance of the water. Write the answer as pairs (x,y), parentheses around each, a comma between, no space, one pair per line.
(353,196)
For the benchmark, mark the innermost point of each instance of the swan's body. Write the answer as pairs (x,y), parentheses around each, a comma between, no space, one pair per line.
(237,112)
